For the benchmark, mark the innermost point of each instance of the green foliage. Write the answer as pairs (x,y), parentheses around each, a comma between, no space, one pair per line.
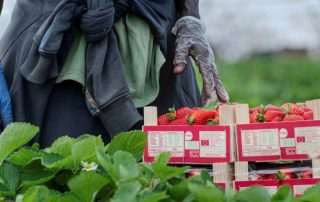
(58,174)
(271,79)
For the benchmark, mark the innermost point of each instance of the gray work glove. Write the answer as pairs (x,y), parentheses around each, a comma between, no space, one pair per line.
(191,41)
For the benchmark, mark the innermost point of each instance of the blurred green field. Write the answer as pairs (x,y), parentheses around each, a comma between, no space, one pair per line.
(271,79)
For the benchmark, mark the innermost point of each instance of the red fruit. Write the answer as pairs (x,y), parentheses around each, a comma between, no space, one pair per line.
(296,111)
(308,115)
(286,106)
(292,109)
(254,117)
(179,122)
(277,119)
(272,108)
(201,117)
(183,112)
(285,174)
(293,118)
(271,115)
(305,109)
(271,177)
(305,174)
(255,109)
(163,120)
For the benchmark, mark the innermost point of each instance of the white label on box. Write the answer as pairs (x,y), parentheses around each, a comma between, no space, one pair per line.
(300,189)
(307,140)
(287,142)
(192,145)
(213,144)
(166,141)
(262,142)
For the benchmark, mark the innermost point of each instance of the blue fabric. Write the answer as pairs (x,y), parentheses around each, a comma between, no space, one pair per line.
(5,101)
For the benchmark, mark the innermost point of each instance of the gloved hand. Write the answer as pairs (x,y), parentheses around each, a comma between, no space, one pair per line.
(5,101)
(191,41)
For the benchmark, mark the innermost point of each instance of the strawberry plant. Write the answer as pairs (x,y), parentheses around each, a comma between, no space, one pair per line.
(83,169)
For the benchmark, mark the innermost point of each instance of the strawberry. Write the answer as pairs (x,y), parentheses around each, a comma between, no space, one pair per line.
(254,117)
(305,174)
(270,115)
(285,174)
(293,118)
(255,109)
(163,120)
(272,108)
(276,119)
(296,111)
(305,109)
(183,112)
(200,117)
(292,109)
(308,115)
(179,122)
(286,106)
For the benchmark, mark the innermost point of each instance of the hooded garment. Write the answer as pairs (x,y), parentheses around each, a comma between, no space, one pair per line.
(34,48)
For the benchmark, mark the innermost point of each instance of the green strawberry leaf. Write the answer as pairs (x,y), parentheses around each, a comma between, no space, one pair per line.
(62,146)
(253,194)
(25,156)
(133,142)
(149,195)
(9,179)
(14,136)
(284,194)
(39,194)
(127,192)
(85,149)
(86,185)
(35,177)
(180,191)
(163,158)
(206,193)
(121,167)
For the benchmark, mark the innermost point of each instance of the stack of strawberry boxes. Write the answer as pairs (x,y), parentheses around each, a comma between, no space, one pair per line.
(193,137)
(277,146)
(267,145)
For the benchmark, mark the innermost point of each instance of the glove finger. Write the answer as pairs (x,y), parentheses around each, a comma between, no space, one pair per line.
(183,45)
(222,93)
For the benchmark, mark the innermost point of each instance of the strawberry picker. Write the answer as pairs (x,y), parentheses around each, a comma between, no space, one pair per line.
(87,66)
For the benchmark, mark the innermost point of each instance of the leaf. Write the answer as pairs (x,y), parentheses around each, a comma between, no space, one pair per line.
(165,172)
(229,194)
(62,146)
(149,195)
(121,167)
(284,194)
(163,158)
(39,194)
(205,193)
(253,194)
(9,180)
(14,136)
(37,177)
(127,192)
(312,194)
(133,142)
(86,185)
(85,149)
(179,191)
(24,156)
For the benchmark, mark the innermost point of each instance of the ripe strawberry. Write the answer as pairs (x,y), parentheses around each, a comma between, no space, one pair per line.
(286,106)
(200,117)
(271,115)
(183,112)
(296,111)
(163,120)
(285,174)
(305,174)
(293,118)
(271,177)
(179,122)
(254,109)
(272,108)
(254,117)
(292,109)
(305,109)
(277,119)
(308,115)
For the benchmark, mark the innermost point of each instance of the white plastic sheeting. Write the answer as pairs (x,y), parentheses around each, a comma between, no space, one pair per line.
(6,14)
(240,28)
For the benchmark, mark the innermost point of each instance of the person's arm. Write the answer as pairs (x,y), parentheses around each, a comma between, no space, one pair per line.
(191,41)
(188,8)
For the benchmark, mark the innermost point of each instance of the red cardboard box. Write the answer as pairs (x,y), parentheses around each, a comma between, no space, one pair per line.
(298,186)
(278,141)
(189,144)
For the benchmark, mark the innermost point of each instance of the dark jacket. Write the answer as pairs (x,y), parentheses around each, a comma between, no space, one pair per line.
(33,50)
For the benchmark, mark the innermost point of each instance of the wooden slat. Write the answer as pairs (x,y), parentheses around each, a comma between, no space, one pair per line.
(150,116)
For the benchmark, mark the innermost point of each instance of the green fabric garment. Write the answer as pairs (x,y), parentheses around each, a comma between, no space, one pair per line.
(142,58)
(140,53)
(74,67)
